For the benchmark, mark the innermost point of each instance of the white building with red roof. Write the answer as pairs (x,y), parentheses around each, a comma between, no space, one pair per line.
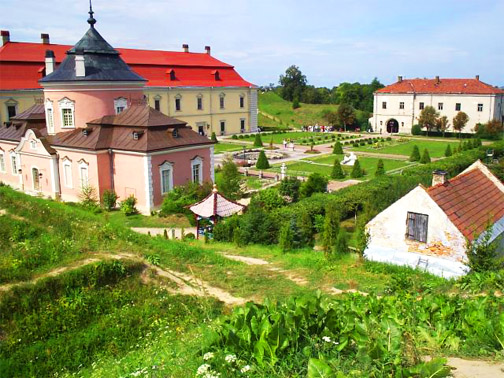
(430,228)
(195,87)
(398,106)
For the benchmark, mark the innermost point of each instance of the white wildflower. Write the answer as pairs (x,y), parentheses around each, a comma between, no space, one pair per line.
(230,358)
(327,339)
(245,369)
(208,356)
(203,369)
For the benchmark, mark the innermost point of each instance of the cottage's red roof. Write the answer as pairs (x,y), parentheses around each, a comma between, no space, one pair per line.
(22,65)
(470,200)
(455,86)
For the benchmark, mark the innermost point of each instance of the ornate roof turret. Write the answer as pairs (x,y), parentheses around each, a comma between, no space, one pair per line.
(92,59)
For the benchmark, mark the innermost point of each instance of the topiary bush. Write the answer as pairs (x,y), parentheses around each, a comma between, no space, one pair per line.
(448,151)
(416,130)
(214,137)
(415,154)
(338,150)
(337,171)
(356,170)
(425,157)
(380,168)
(262,161)
(258,141)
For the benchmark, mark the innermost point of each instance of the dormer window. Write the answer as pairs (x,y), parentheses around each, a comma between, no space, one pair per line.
(120,104)
(33,144)
(171,74)
(86,131)
(216,75)
(175,133)
(67,108)
(137,134)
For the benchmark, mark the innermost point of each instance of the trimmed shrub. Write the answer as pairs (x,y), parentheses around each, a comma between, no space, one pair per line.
(416,130)
(380,168)
(356,170)
(415,154)
(262,161)
(337,171)
(258,141)
(338,150)
(214,137)
(448,151)
(425,157)
(235,136)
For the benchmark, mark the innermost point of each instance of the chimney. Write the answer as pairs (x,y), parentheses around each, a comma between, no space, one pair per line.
(437,80)
(477,77)
(5,36)
(185,47)
(207,49)
(439,177)
(45,38)
(80,69)
(399,79)
(50,62)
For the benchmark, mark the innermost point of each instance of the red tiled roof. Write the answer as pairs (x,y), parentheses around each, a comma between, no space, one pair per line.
(470,200)
(455,86)
(22,63)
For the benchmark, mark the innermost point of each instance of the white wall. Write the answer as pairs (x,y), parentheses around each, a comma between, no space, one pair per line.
(388,242)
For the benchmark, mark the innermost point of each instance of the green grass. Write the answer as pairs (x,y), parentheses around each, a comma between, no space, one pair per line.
(226,147)
(436,149)
(307,114)
(303,168)
(292,136)
(138,220)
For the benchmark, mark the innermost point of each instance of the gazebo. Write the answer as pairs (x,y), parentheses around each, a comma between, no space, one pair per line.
(212,207)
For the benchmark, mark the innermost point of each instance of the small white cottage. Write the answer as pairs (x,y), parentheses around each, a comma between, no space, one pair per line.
(430,227)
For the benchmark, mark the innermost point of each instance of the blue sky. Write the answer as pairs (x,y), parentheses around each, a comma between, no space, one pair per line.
(331,41)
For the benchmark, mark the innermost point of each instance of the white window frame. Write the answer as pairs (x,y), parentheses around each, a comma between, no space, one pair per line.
(179,98)
(67,104)
(401,105)
(194,162)
(166,166)
(39,189)
(83,165)
(384,105)
(220,127)
(199,98)
(120,105)
(440,106)
(33,144)
(2,161)
(49,113)
(11,102)
(67,179)
(222,101)
(14,163)
(480,107)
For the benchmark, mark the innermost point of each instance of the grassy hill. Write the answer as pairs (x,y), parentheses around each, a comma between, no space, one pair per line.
(83,296)
(275,111)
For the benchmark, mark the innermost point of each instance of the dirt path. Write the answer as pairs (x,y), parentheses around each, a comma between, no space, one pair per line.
(186,283)
(472,368)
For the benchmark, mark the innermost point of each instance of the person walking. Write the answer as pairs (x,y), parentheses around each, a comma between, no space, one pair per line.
(284,144)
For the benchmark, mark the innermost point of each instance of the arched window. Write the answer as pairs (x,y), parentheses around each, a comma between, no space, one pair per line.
(83,173)
(67,172)
(166,177)
(49,116)
(14,163)
(67,109)
(35,178)
(197,170)
(2,161)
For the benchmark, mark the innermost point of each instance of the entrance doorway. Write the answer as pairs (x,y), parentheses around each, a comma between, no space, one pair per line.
(36,179)
(392,126)
(201,128)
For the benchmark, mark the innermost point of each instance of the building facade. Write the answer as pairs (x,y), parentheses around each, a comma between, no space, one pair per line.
(197,88)
(93,128)
(398,106)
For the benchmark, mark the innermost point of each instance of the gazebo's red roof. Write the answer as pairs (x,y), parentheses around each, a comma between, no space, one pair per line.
(22,65)
(216,204)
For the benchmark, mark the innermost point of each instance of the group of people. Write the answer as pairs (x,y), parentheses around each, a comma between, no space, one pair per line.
(288,144)
(319,129)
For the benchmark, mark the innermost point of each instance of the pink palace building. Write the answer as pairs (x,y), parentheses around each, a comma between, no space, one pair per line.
(94,128)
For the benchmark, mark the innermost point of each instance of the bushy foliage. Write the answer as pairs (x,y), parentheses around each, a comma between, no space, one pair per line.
(295,103)
(425,157)
(289,187)
(109,198)
(316,183)
(338,149)
(268,199)
(258,140)
(415,154)
(214,137)
(448,151)
(356,170)
(491,130)
(337,172)
(331,227)
(341,245)
(177,199)
(380,168)
(262,161)
(256,226)
(89,198)
(128,206)
(483,255)
(229,182)
(416,130)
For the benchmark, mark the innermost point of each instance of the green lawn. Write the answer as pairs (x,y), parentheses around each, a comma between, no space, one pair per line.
(226,147)
(293,136)
(436,149)
(305,168)
(139,220)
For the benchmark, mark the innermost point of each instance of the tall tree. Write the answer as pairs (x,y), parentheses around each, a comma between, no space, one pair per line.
(442,124)
(428,118)
(460,121)
(293,83)
(346,115)
(337,171)
(229,184)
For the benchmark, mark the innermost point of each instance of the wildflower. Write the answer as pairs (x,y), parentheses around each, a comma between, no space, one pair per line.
(208,356)
(327,339)
(230,358)
(203,369)
(245,369)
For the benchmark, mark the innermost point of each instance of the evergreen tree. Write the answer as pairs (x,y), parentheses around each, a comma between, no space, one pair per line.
(380,168)
(337,171)
(341,246)
(295,103)
(262,161)
(425,157)
(331,227)
(338,149)
(214,137)
(305,226)
(356,171)
(415,154)
(229,183)
(448,151)
(258,141)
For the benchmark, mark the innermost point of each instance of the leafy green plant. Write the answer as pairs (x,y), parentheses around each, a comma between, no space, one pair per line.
(128,206)
(109,199)
(380,168)
(415,154)
(425,157)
